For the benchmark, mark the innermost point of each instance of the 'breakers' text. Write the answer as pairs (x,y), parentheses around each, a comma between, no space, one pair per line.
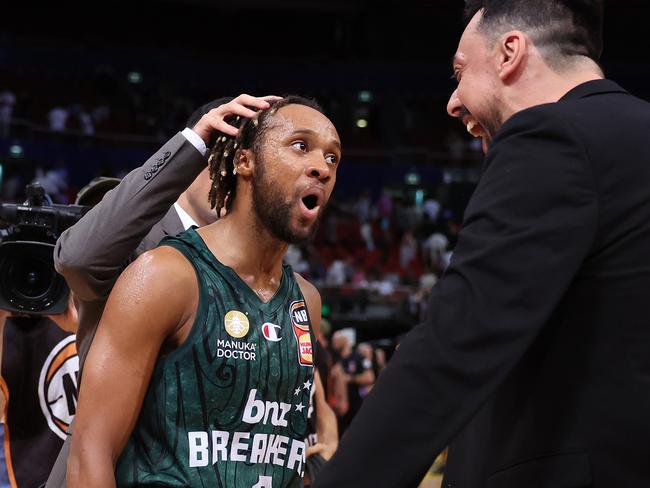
(258,449)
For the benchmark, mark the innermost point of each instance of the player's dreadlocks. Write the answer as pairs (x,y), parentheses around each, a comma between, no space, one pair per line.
(251,131)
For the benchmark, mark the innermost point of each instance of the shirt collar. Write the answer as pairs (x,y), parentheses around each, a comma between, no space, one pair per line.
(186,220)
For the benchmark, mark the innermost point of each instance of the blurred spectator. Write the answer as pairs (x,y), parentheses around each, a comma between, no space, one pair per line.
(314,262)
(456,145)
(432,209)
(363,207)
(79,119)
(408,250)
(366,235)
(55,182)
(380,361)
(350,372)
(7,102)
(100,114)
(337,273)
(385,209)
(367,355)
(434,249)
(57,119)
(418,300)
(295,259)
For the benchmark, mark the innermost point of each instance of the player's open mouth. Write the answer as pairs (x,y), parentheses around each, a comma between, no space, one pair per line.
(311,201)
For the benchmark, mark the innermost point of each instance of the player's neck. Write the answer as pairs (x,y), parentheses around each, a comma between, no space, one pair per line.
(252,252)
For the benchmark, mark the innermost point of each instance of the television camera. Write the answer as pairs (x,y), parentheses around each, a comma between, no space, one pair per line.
(29,283)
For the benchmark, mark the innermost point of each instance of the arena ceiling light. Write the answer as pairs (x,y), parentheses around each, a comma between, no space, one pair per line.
(362,123)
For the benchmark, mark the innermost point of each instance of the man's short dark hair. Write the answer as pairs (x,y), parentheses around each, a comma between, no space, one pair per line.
(561,29)
(204,109)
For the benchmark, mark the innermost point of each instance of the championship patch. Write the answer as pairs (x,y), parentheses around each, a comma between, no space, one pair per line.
(236,324)
(57,386)
(301,326)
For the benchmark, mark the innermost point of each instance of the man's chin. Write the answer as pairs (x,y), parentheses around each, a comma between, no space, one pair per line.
(301,234)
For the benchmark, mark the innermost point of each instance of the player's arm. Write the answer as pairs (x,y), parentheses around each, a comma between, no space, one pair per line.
(326,425)
(153,301)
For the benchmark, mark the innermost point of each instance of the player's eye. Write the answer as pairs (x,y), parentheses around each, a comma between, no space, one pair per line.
(332,159)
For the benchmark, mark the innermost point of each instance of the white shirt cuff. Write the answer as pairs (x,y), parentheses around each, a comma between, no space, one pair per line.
(195,140)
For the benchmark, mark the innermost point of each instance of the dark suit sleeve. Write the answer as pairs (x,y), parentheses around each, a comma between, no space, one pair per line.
(529,226)
(92,253)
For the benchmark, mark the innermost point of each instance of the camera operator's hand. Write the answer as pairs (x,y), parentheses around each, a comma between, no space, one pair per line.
(214,119)
(68,320)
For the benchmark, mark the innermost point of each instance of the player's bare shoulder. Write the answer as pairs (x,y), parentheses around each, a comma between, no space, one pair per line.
(161,280)
(164,267)
(307,288)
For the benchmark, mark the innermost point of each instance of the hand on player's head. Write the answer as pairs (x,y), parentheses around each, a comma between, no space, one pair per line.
(242,106)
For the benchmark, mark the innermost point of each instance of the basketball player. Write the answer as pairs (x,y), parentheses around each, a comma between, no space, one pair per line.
(201,368)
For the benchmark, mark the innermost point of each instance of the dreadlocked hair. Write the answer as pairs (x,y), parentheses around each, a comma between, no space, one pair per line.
(221,158)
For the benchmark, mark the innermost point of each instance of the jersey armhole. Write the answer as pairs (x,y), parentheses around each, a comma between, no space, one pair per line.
(186,252)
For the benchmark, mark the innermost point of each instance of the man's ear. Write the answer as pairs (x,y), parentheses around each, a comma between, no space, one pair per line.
(244,162)
(513,49)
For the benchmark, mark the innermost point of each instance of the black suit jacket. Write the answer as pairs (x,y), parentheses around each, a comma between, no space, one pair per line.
(535,353)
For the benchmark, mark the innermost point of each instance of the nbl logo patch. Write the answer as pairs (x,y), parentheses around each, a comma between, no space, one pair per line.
(57,386)
(301,326)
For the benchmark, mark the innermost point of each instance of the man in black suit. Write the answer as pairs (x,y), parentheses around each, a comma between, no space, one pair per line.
(533,357)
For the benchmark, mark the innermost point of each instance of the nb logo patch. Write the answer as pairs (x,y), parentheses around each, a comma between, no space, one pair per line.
(57,386)
(301,326)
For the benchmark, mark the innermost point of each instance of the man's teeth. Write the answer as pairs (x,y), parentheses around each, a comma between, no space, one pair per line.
(474,129)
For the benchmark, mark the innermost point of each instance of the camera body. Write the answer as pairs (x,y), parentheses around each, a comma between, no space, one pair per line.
(29,284)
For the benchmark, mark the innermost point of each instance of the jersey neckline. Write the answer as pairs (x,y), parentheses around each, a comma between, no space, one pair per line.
(278,298)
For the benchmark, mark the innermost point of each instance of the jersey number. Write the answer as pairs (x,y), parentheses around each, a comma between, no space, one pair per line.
(264,482)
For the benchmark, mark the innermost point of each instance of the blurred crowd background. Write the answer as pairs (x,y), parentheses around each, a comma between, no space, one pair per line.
(97,92)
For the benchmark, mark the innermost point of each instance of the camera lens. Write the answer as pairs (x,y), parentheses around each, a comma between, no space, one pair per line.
(28,280)
(31,277)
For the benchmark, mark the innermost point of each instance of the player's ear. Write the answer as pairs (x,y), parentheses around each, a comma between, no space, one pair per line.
(244,162)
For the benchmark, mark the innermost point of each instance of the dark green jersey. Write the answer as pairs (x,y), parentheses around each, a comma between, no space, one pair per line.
(228,408)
